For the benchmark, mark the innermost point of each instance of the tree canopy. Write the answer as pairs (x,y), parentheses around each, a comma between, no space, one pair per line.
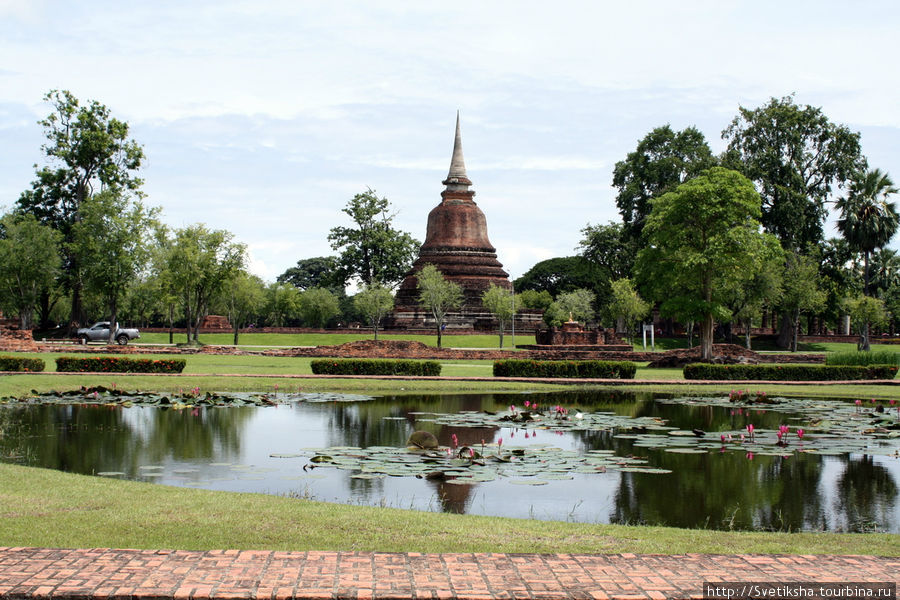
(318,271)
(438,296)
(87,151)
(702,239)
(796,157)
(501,303)
(663,159)
(374,302)
(867,220)
(561,274)
(372,251)
(29,262)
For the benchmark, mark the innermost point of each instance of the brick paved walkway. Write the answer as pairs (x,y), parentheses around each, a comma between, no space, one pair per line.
(231,575)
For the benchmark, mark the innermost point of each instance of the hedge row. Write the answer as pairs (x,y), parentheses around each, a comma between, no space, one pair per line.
(20,363)
(591,369)
(119,364)
(789,372)
(374,366)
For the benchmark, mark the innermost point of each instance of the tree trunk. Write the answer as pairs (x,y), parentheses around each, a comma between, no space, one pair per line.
(171,322)
(795,329)
(236,329)
(439,333)
(501,334)
(706,337)
(866,273)
(690,333)
(786,331)
(747,326)
(864,338)
(113,323)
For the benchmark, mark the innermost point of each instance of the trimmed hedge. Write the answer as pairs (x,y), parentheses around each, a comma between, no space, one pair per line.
(788,372)
(118,364)
(374,366)
(21,363)
(588,369)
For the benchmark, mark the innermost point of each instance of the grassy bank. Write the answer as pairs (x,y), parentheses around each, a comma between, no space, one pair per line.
(263,373)
(40,507)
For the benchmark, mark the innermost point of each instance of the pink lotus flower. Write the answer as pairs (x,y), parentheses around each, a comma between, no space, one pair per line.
(499,442)
(527,404)
(454,440)
(800,433)
(722,438)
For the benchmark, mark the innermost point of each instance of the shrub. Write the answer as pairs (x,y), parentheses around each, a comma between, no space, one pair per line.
(873,357)
(374,366)
(20,363)
(119,364)
(589,369)
(788,372)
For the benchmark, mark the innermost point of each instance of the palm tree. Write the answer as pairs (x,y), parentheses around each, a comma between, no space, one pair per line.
(885,271)
(868,221)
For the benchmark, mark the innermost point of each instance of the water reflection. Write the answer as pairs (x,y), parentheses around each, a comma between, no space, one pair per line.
(258,449)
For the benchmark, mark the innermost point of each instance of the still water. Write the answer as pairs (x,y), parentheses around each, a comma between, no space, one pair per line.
(265,450)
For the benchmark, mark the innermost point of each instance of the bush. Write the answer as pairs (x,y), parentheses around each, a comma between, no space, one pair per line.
(788,372)
(374,366)
(118,364)
(873,357)
(21,363)
(588,369)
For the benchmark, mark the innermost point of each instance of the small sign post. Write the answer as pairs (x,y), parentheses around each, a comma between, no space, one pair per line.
(652,337)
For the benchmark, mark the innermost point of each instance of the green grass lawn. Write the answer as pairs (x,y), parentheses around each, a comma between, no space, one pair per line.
(226,373)
(45,508)
(272,340)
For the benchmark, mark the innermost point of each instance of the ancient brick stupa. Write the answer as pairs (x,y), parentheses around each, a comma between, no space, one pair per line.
(456,242)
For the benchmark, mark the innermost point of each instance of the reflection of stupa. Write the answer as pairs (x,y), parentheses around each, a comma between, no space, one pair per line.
(456,242)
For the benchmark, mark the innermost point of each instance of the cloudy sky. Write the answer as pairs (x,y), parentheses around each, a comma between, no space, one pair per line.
(264,118)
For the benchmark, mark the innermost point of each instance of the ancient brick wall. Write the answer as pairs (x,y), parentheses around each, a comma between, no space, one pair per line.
(13,339)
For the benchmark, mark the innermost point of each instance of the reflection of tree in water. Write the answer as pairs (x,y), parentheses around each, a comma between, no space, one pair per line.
(75,438)
(866,495)
(723,491)
(96,438)
(192,433)
(388,421)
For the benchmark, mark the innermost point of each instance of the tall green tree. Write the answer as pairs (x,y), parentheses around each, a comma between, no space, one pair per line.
(628,305)
(319,271)
(560,274)
(112,237)
(372,251)
(501,303)
(663,159)
(29,262)
(87,150)
(702,239)
(438,296)
(796,157)
(244,297)
(865,312)
(318,306)
(867,220)
(374,302)
(282,303)
(199,263)
(801,291)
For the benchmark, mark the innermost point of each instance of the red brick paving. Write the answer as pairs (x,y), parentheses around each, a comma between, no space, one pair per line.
(44,573)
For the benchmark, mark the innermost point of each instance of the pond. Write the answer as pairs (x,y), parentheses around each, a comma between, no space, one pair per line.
(596,457)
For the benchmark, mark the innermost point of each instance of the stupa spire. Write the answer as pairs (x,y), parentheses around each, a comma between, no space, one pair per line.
(457,178)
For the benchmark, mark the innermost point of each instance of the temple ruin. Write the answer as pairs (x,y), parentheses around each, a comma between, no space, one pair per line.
(456,242)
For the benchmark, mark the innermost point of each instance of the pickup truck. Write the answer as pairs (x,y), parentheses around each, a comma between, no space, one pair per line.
(99,332)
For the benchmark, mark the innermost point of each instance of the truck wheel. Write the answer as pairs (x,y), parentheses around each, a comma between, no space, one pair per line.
(122,339)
